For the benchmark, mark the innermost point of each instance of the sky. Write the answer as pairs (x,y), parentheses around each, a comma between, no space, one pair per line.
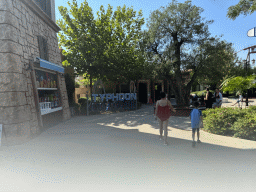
(233,31)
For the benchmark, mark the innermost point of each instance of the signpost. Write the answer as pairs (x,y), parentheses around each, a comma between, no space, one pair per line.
(252,32)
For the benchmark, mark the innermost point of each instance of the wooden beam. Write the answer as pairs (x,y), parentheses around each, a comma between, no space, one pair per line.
(36,97)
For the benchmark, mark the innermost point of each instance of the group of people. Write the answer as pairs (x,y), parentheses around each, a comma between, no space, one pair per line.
(213,101)
(162,112)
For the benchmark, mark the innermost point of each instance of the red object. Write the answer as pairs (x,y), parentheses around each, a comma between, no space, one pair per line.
(150,101)
(163,113)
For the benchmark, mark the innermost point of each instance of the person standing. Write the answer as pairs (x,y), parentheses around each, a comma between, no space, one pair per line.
(208,98)
(162,111)
(219,98)
(196,118)
(240,100)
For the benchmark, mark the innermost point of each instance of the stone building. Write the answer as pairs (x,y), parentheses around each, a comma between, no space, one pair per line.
(32,85)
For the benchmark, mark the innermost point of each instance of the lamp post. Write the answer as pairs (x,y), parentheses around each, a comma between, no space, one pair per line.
(246,70)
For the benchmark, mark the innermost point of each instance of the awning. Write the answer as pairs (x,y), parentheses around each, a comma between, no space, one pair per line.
(48,65)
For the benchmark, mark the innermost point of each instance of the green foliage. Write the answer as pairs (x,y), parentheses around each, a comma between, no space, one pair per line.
(77,84)
(246,127)
(238,84)
(231,122)
(244,7)
(201,93)
(174,28)
(70,85)
(83,100)
(217,60)
(108,42)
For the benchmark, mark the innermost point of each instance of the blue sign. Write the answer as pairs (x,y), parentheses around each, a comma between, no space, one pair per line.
(117,97)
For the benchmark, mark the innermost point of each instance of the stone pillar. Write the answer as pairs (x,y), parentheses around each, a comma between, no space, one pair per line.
(17,105)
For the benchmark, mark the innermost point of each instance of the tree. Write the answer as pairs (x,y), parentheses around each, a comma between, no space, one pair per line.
(176,29)
(241,84)
(220,61)
(103,48)
(70,85)
(244,7)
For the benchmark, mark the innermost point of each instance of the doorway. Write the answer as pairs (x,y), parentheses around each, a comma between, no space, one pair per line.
(158,89)
(143,92)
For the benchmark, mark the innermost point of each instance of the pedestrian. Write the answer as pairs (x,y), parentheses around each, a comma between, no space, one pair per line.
(196,121)
(218,97)
(208,98)
(240,99)
(162,111)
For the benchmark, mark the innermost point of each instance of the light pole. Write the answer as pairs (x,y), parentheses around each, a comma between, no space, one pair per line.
(246,70)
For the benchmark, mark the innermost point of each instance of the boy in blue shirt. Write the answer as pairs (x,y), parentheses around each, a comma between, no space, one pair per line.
(196,118)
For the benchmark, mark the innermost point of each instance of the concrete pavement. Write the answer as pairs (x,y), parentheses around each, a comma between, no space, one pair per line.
(122,152)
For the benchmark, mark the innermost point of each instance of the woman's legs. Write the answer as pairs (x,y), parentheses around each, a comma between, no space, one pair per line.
(165,125)
(161,128)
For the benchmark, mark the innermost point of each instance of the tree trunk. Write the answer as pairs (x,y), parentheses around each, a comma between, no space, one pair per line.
(91,86)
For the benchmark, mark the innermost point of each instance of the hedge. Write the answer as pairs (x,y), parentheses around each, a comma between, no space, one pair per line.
(231,122)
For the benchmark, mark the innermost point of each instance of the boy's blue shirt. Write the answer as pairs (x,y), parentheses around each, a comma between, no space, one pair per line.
(195,118)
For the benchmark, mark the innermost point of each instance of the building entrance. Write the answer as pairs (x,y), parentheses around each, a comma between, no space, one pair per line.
(158,89)
(143,92)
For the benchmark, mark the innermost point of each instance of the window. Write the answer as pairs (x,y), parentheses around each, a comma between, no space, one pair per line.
(43,50)
(45,5)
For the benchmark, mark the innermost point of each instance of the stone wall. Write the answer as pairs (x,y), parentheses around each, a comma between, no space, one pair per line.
(19,28)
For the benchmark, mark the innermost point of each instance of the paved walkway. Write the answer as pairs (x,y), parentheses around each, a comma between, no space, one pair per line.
(122,152)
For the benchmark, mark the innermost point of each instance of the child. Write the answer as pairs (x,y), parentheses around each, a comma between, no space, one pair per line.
(195,117)
(239,100)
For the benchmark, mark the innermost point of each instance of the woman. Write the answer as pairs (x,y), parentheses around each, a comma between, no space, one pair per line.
(218,97)
(162,111)
(208,99)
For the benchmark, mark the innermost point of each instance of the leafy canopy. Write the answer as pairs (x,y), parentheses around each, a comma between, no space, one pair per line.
(244,7)
(106,47)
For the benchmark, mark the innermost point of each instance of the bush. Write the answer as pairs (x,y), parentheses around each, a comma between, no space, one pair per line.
(231,122)
(246,127)
(82,100)
(201,93)
(77,85)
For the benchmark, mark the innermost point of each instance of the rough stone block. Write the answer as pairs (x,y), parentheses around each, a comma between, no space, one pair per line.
(8,32)
(7,17)
(17,13)
(12,99)
(33,117)
(30,39)
(1,114)
(18,3)
(12,82)
(6,5)
(10,47)
(34,126)
(10,63)
(29,30)
(26,56)
(16,114)
(22,41)
(24,20)
(22,32)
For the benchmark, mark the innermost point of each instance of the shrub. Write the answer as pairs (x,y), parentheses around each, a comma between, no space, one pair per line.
(246,127)
(82,100)
(221,120)
(77,85)
(201,93)
(231,122)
